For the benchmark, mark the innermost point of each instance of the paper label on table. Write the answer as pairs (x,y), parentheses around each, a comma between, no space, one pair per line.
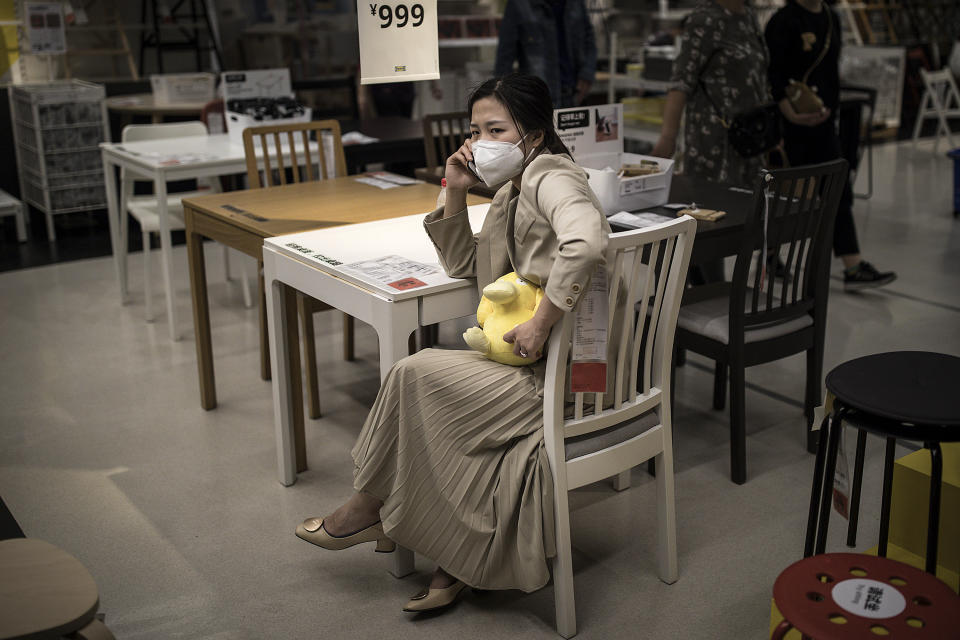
(407,283)
(637,220)
(377,182)
(868,598)
(676,206)
(395,178)
(398,41)
(307,252)
(393,271)
(44,26)
(841,482)
(588,368)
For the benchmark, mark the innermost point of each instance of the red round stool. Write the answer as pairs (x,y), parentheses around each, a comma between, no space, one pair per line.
(852,596)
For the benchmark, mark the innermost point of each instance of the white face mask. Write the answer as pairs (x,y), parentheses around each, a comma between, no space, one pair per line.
(497,161)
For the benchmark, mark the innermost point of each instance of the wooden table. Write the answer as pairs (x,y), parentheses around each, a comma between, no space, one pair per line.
(242,219)
(143,104)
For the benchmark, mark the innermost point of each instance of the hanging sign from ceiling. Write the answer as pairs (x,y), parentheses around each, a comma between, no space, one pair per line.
(398,41)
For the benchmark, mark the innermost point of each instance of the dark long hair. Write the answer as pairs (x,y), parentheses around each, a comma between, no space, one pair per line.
(527,99)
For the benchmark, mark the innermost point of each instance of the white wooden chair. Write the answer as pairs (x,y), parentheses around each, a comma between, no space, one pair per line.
(941,100)
(10,206)
(144,208)
(651,265)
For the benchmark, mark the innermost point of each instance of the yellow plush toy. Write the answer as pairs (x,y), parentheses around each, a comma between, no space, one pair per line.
(506,303)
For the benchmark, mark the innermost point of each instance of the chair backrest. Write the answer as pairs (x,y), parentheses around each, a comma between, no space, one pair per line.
(942,92)
(443,134)
(141,132)
(292,141)
(213,116)
(138,132)
(648,268)
(792,217)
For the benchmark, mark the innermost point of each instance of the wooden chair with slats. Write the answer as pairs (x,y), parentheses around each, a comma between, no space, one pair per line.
(632,423)
(443,133)
(272,143)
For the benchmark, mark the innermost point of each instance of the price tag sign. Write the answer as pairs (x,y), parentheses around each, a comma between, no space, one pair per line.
(398,41)
(588,368)
(45,27)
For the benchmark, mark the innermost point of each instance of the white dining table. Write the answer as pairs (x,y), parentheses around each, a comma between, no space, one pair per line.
(162,161)
(385,273)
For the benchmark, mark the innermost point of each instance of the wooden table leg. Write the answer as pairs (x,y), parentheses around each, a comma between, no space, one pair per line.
(264,336)
(348,354)
(201,313)
(305,311)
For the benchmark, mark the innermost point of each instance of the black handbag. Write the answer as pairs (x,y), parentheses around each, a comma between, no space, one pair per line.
(751,132)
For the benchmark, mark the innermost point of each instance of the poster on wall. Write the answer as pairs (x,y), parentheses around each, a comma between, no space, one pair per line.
(45,27)
(880,68)
(398,41)
(591,131)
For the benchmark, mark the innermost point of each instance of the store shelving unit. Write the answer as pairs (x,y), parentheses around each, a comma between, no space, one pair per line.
(57,130)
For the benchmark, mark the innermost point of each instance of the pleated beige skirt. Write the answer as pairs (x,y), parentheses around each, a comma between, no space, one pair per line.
(454,447)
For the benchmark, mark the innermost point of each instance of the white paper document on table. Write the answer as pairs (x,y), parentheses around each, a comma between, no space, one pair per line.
(393,258)
(394,271)
(377,182)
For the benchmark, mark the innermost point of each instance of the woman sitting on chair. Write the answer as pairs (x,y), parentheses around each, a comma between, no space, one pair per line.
(451,462)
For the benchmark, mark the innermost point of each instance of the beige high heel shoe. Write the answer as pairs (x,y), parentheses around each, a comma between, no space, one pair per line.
(433,599)
(313,532)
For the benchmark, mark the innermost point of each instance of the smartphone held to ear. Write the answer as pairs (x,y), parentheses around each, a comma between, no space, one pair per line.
(473,169)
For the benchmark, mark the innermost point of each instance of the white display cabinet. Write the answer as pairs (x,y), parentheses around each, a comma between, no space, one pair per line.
(57,129)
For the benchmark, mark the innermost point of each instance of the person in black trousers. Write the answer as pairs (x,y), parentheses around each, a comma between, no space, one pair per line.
(796,36)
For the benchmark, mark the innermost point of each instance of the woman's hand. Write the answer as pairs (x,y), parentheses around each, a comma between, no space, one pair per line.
(528,338)
(803,119)
(456,172)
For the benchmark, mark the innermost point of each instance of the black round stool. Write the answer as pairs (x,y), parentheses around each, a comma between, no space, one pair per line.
(911,395)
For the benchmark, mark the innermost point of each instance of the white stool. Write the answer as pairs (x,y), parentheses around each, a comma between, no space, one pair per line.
(941,100)
(10,206)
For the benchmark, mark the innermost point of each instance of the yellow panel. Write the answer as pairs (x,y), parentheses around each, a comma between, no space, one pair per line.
(900,554)
(775,618)
(910,500)
(9,52)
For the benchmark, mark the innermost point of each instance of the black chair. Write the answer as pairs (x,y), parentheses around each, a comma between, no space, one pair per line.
(756,318)
(855,118)
(910,395)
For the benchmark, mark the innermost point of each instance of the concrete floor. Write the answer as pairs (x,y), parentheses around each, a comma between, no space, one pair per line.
(105,452)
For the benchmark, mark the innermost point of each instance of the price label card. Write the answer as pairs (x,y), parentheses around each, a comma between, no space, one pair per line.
(398,41)
(841,482)
(588,367)
(44,26)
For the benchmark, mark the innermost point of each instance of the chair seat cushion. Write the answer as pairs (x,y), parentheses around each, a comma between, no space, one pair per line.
(710,318)
(592,442)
